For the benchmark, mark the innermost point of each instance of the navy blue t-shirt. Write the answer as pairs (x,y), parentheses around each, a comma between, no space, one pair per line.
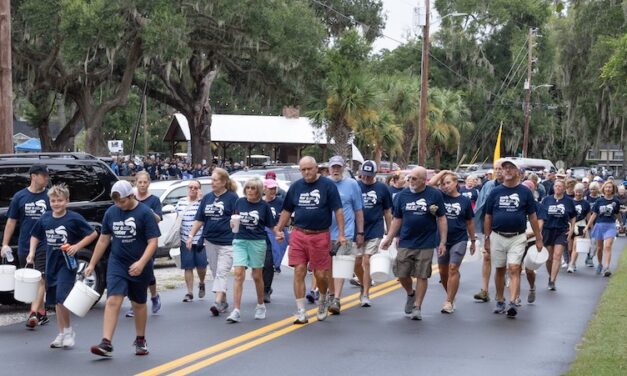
(215,212)
(510,207)
(27,207)
(254,218)
(458,210)
(419,229)
(130,232)
(71,228)
(591,200)
(153,203)
(394,191)
(377,198)
(582,207)
(558,213)
(312,203)
(606,210)
(276,206)
(470,193)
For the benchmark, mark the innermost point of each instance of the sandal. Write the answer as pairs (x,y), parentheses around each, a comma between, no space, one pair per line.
(188,298)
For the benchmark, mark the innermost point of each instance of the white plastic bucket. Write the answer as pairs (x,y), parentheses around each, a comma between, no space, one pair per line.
(7,277)
(175,254)
(343,266)
(81,299)
(534,259)
(380,265)
(26,284)
(582,245)
(478,249)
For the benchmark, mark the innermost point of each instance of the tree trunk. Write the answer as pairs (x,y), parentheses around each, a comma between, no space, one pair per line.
(341,136)
(437,155)
(378,153)
(408,145)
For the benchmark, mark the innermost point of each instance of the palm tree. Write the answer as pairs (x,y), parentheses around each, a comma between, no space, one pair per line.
(402,98)
(448,115)
(383,135)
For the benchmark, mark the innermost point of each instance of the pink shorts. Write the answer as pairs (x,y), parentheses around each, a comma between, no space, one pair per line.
(310,248)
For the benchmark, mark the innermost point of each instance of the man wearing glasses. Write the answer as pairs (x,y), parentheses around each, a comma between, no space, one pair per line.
(419,215)
(312,199)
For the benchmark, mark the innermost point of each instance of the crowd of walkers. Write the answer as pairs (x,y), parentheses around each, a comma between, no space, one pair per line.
(319,217)
(175,168)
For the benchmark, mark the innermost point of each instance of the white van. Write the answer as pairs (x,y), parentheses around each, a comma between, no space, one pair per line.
(533,164)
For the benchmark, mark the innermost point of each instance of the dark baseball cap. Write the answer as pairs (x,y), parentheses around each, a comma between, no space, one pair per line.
(38,169)
(369,168)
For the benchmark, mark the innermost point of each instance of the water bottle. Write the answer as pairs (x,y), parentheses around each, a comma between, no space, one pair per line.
(70,261)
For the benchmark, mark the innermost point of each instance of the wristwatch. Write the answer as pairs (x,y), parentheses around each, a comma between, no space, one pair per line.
(360,233)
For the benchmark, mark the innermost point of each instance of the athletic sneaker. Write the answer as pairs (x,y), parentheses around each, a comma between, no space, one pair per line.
(201,290)
(103,349)
(58,342)
(130,313)
(599,269)
(311,297)
(32,321)
(355,282)
(409,303)
(483,296)
(518,302)
(500,307)
(448,308)
(365,301)
(42,319)
(552,286)
(141,347)
(236,317)
(606,272)
(219,307)
(532,296)
(322,311)
(512,311)
(260,312)
(335,307)
(156,303)
(564,265)
(589,261)
(301,317)
(415,314)
(69,338)
(570,269)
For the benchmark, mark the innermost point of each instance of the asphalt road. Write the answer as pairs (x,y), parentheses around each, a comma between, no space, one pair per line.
(370,341)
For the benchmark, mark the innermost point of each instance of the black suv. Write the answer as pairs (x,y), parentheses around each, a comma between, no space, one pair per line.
(89,181)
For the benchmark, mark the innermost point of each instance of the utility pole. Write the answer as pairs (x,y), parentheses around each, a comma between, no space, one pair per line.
(528,87)
(424,88)
(6,83)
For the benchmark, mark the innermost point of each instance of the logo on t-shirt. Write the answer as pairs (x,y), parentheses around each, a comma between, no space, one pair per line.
(578,209)
(125,230)
(419,206)
(467,194)
(606,210)
(250,218)
(309,198)
(35,209)
(509,202)
(273,212)
(56,236)
(558,209)
(215,209)
(370,199)
(453,210)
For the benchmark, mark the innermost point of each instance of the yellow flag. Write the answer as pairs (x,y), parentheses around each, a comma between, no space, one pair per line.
(497,148)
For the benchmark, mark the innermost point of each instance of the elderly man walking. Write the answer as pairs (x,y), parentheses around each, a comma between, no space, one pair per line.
(313,199)
(419,215)
(506,212)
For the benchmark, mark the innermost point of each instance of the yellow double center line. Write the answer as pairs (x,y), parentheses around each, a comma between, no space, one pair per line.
(256,337)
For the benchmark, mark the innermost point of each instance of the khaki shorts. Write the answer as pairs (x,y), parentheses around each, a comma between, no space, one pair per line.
(413,263)
(350,249)
(505,251)
(370,247)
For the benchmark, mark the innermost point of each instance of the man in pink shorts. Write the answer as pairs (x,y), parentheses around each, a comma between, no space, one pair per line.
(312,199)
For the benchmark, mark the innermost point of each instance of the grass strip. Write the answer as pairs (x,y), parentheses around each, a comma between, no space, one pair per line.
(603,349)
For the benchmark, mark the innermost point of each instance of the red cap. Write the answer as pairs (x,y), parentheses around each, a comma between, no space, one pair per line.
(271,175)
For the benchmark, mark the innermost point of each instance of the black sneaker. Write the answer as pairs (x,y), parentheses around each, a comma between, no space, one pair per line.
(103,349)
(42,319)
(512,311)
(141,347)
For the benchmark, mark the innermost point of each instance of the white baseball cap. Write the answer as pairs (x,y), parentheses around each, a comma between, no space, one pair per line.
(123,188)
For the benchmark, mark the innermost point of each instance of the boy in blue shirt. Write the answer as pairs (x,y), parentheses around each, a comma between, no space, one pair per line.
(131,229)
(62,231)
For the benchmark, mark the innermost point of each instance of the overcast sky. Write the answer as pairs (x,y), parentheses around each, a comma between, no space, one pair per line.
(399,23)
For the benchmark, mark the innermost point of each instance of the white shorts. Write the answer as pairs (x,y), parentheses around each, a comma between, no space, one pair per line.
(505,251)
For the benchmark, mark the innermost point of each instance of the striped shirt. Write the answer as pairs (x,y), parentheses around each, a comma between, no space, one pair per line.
(189,215)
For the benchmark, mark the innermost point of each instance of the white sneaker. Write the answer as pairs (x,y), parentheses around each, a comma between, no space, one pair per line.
(58,342)
(260,312)
(415,314)
(68,338)
(570,269)
(365,301)
(301,317)
(234,316)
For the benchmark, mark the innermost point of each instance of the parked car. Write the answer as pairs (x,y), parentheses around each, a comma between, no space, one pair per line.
(385,166)
(89,181)
(169,193)
(477,169)
(580,172)
(533,164)
(286,174)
